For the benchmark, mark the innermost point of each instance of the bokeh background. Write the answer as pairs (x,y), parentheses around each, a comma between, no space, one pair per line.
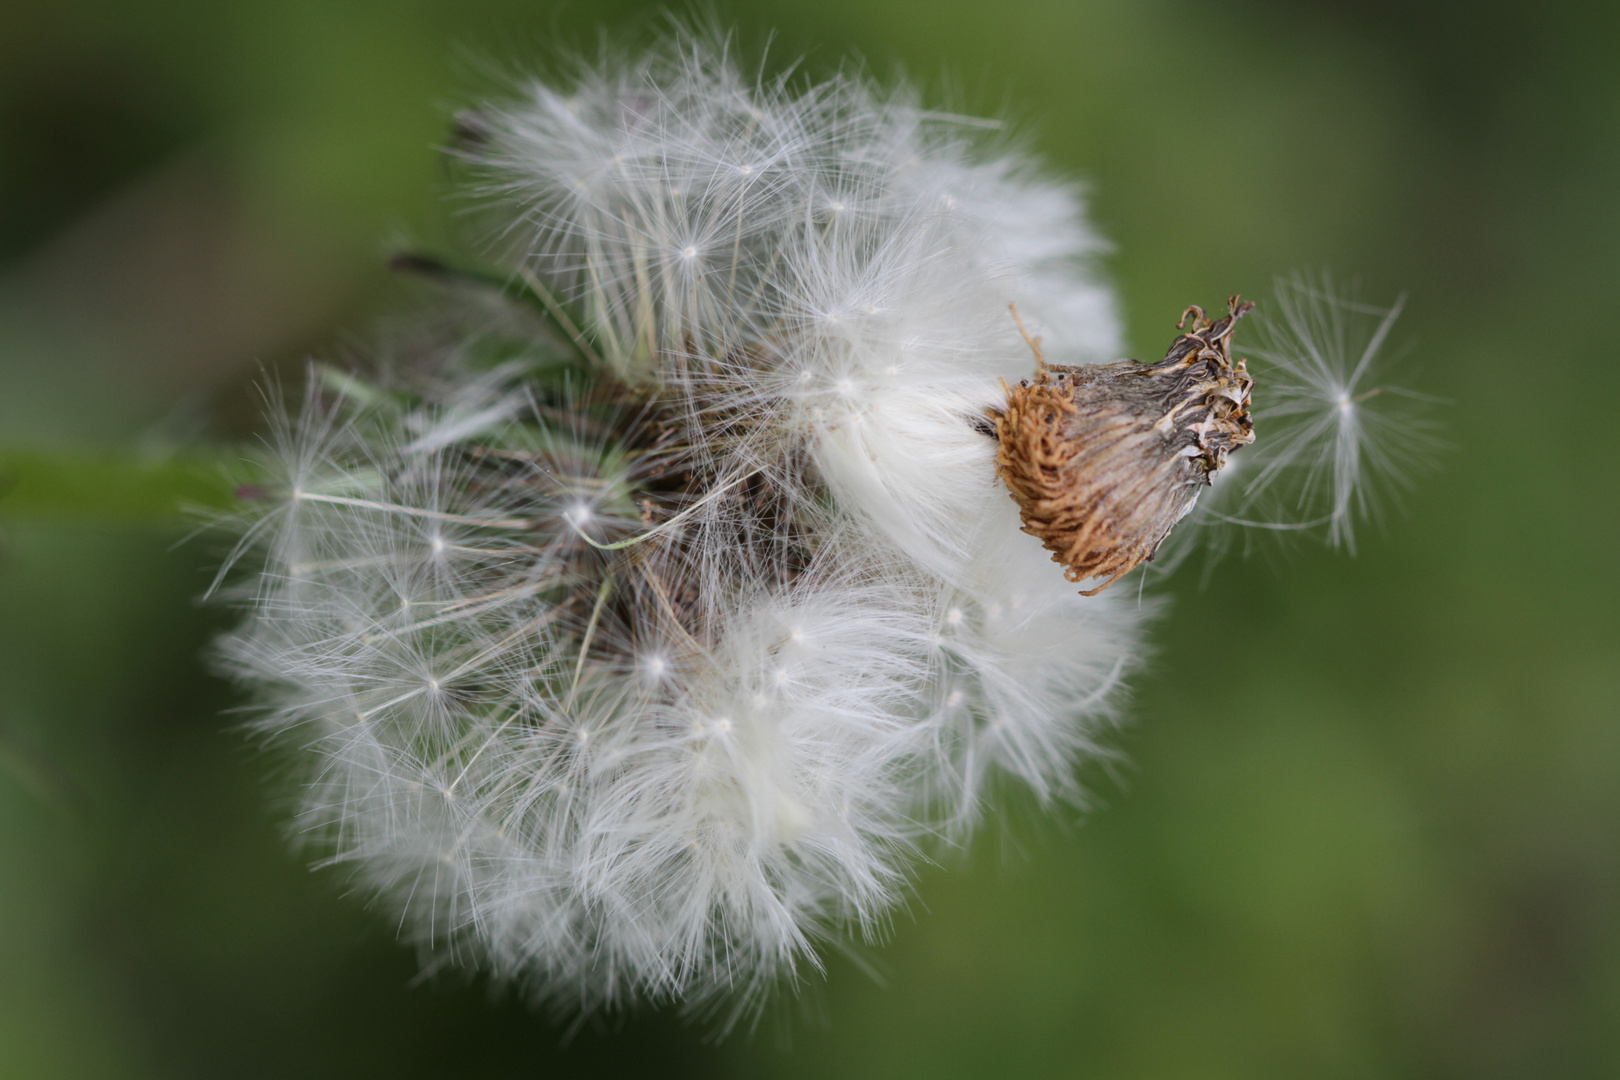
(1371,824)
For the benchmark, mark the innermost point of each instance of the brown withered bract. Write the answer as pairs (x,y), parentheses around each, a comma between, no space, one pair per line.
(1103,459)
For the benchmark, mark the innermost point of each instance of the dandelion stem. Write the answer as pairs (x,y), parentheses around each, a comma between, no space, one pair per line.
(560,316)
(413,511)
(602,595)
(666,526)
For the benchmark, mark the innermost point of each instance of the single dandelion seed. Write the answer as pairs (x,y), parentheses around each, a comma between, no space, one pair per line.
(1338,437)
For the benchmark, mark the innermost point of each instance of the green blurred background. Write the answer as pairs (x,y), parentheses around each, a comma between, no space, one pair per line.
(1371,825)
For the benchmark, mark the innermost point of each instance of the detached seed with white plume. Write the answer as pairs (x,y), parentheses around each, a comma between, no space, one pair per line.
(644,614)
(1103,459)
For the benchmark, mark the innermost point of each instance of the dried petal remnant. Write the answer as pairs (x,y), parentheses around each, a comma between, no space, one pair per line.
(1103,459)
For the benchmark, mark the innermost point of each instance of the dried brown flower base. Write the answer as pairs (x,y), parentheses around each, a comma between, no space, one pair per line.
(1103,459)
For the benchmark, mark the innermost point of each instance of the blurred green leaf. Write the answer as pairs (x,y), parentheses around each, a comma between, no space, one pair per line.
(67,485)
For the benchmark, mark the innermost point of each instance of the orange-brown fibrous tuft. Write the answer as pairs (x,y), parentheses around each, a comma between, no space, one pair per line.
(1103,459)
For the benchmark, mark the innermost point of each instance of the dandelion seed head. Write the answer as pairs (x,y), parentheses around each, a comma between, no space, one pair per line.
(639,657)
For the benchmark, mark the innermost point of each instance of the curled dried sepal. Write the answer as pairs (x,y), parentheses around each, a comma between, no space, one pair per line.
(1103,459)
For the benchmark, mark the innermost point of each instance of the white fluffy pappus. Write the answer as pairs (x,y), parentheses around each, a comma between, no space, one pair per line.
(637,649)
(1335,436)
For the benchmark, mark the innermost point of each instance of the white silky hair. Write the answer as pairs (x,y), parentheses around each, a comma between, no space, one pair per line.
(616,750)
(1334,435)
